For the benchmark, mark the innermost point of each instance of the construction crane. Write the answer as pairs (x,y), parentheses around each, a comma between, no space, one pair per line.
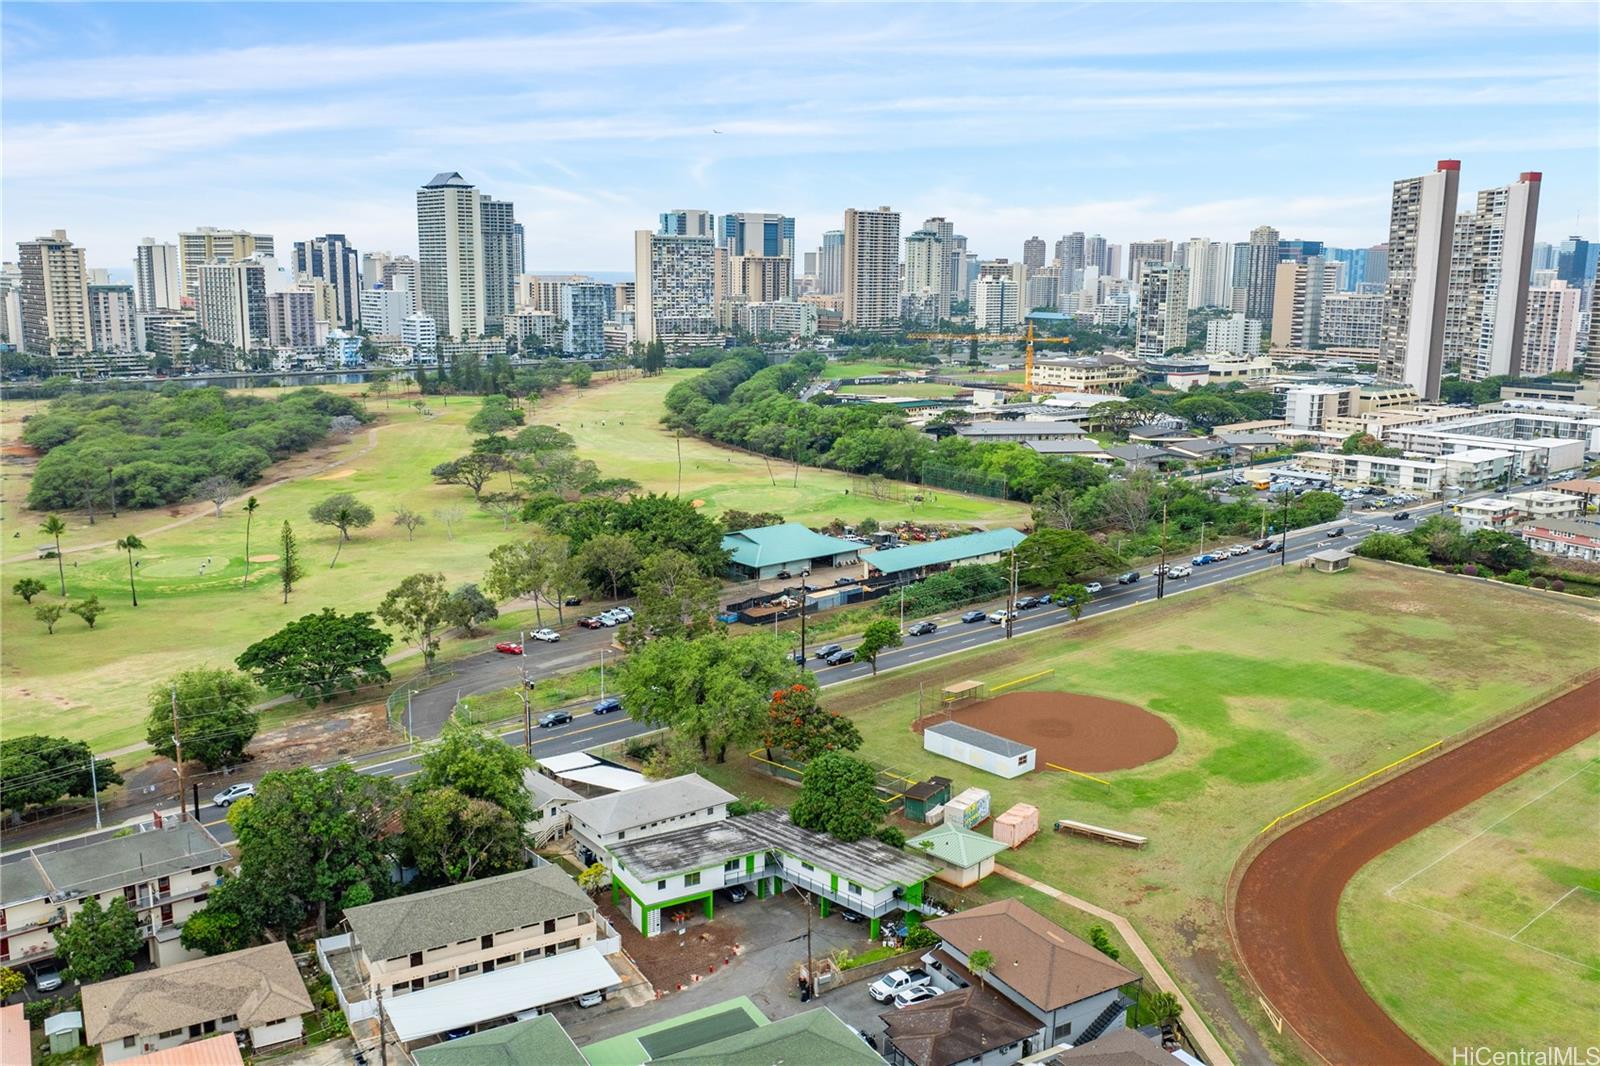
(1027,335)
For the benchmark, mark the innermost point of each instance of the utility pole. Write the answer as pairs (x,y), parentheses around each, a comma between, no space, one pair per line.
(812,983)
(411,735)
(177,756)
(1011,594)
(94,783)
(383,1042)
(802,625)
(602,673)
(527,716)
(1283,545)
(1161,570)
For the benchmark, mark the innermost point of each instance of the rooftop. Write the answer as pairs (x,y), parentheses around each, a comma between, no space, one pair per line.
(447,179)
(691,848)
(978,738)
(1008,428)
(813,1036)
(789,542)
(1575,527)
(681,1032)
(956,846)
(470,1000)
(1135,453)
(948,550)
(536,1042)
(220,1050)
(394,927)
(88,869)
(1033,956)
(671,798)
(257,985)
(546,789)
(957,1026)
(1120,1047)
(1065,447)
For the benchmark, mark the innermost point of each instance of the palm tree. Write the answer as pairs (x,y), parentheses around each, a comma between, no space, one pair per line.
(54,527)
(250,507)
(980,962)
(130,544)
(1163,1008)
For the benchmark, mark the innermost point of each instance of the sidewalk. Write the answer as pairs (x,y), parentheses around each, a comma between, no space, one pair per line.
(1147,958)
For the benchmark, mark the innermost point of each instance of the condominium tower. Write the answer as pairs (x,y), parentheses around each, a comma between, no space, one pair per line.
(1163,310)
(1261,277)
(54,295)
(450,255)
(872,269)
(674,287)
(333,260)
(207,244)
(1422,213)
(157,276)
(1496,300)
(502,261)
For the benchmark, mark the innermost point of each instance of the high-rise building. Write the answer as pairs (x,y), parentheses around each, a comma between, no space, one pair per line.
(1070,253)
(762,278)
(755,233)
(11,305)
(333,260)
(1163,310)
(1297,303)
(1033,253)
(1234,335)
(685,222)
(1261,276)
(674,287)
(450,255)
(519,250)
(54,295)
(232,305)
(872,269)
(402,273)
(586,306)
(1210,267)
(501,262)
(1044,289)
(157,276)
(809,264)
(373,264)
(1094,253)
(995,303)
(1496,301)
(1544,257)
(1113,267)
(1422,213)
(111,311)
(830,262)
(420,333)
(928,279)
(292,319)
(1376,271)
(1298,251)
(1352,319)
(1141,253)
(1550,333)
(384,310)
(1572,262)
(207,244)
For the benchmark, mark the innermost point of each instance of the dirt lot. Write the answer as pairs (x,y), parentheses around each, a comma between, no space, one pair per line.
(1286,913)
(670,962)
(1079,732)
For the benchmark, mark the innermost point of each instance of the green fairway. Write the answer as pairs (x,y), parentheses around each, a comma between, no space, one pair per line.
(1280,687)
(1507,890)
(920,390)
(837,370)
(618,426)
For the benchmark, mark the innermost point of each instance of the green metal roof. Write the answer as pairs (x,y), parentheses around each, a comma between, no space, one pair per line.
(815,1036)
(948,550)
(786,543)
(956,846)
(536,1042)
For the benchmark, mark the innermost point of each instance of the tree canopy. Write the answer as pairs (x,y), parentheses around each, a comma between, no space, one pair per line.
(1048,558)
(38,770)
(99,943)
(798,724)
(215,711)
(320,656)
(838,797)
(714,689)
(479,765)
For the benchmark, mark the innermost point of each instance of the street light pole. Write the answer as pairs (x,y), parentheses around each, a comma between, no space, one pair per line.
(1011,594)
(1161,570)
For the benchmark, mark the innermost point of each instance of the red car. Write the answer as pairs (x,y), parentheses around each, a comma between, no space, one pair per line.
(508,647)
(591,623)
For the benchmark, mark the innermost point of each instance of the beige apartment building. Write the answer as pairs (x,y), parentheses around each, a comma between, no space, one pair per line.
(1087,374)
(53,295)
(207,244)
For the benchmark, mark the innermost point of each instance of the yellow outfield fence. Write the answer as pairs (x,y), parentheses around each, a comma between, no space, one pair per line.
(1077,773)
(1020,681)
(1345,788)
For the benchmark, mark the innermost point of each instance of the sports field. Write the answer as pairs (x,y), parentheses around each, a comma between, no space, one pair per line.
(918,390)
(618,426)
(1509,890)
(852,369)
(1280,688)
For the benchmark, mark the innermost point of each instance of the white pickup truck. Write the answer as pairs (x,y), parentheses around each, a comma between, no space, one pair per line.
(896,981)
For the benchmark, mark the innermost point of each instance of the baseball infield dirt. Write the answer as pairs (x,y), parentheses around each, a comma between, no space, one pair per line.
(1084,733)
(1286,914)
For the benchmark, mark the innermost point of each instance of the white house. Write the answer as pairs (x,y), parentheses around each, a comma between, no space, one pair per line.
(986,751)
(650,810)
(1486,513)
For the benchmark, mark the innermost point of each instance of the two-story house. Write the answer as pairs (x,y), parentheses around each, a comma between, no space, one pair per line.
(550,802)
(1071,990)
(768,851)
(164,875)
(650,810)
(465,954)
(257,991)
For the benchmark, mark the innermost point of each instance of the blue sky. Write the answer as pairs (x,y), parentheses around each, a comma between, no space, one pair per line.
(1135,121)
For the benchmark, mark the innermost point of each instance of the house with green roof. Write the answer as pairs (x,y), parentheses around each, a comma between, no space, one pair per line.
(916,560)
(814,1036)
(536,1042)
(964,857)
(787,548)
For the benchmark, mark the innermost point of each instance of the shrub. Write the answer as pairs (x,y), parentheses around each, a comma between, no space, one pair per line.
(892,836)
(1515,577)
(921,936)
(1540,583)
(1470,569)
(1558,585)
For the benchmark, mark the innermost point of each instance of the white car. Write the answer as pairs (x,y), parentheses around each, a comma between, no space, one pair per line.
(625,612)
(918,994)
(1239,549)
(233,793)
(896,981)
(1180,571)
(608,620)
(997,617)
(549,636)
(1093,587)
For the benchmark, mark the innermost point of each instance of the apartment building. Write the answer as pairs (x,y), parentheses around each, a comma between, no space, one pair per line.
(1352,320)
(1301,288)
(1163,311)
(1083,374)
(675,288)
(333,260)
(649,810)
(1422,213)
(871,269)
(1569,538)
(1543,503)
(1234,335)
(1494,305)
(762,278)
(164,875)
(1487,513)
(111,311)
(1312,406)
(157,276)
(450,250)
(586,307)
(207,244)
(232,304)
(1476,468)
(53,289)
(995,304)
(1550,329)
(783,317)
(383,310)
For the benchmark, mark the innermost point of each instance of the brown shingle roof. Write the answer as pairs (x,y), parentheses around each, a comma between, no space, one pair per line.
(1032,955)
(1120,1047)
(957,1026)
(256,985)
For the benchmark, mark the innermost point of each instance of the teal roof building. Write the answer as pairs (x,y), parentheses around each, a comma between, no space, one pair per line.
(763,552)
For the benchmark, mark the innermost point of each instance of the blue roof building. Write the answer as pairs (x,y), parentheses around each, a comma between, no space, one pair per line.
(791,547)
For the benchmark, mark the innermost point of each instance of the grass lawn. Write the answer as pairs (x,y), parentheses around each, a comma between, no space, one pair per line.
(917,390)
(834,371)
(1509,890)
(618,426)
(1281,687)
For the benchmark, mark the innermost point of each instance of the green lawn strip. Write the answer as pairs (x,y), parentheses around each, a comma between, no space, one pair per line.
(1459,891)
(546,694)
(841,370)
(920,390)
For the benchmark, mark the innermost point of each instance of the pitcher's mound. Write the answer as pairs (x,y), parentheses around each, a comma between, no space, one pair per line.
(1079,732)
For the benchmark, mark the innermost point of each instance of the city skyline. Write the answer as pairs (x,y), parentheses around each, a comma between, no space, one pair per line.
(1145,106)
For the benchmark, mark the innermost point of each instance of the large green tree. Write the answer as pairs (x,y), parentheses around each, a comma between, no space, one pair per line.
(479,765)
(417,607)
(609,562)
(838,797)
(231,920)
(320,656)
(454,838)
(216,716)
(313,842)
(799,725)
(99,943)
(1048,558)
(879,636)
(38,769)
(536,566)
(714,689)
(676,598)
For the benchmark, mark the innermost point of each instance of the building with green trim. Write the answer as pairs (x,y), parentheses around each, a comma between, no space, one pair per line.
(964,857)
(681,870)
(788,547)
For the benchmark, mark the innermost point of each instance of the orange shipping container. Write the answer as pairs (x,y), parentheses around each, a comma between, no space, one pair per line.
(1015,826)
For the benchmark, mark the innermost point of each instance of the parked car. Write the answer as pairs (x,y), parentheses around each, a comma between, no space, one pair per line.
(1129,578)
(827,650)
(973,616)
(1046,600)
(737,893)
(572,601)
(1401,516)
(1203,560)
(922,629)
(785,575)
(844,581)
(457,1034)
(232,794)
(546,635)
(1027,603)
(508,647)
(842,656)
(551,718)
(1239,549)
(48,978)
(589,622)
(799,658)
(607,620)
(625,611)
(607,705)
(919,994)
(851,916)
(591,999)
(1158,570)
(998,617)
(1093,587)
(897,981)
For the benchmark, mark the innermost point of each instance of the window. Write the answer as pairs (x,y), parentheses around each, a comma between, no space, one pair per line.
(731,865)
(505,960)
(416,958)
(486,941)
(855,888)
(549,925)
(170,1033)
(661,886)
(435,978)
(690,880)
(532,953)
(128,1041)
(566,945)
(230,1019)
(806,866)
(470,967)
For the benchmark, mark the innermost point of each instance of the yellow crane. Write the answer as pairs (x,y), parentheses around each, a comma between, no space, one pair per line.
(1027,335)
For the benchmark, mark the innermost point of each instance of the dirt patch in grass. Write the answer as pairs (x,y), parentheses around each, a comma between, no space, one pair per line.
(336,475)
(1069,729)
(263,558)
